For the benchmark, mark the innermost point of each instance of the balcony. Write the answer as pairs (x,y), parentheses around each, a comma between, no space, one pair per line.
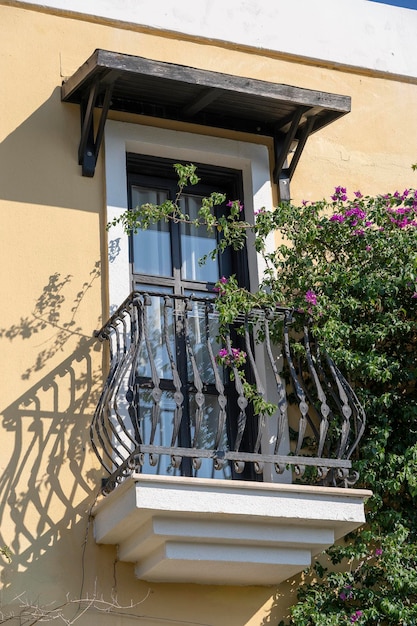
(199,487)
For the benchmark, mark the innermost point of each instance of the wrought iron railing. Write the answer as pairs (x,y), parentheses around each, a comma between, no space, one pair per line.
(170,404)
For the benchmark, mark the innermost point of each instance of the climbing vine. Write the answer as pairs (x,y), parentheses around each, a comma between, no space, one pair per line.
(348,264)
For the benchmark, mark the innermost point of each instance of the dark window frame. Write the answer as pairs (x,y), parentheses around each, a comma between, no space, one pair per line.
(159,172)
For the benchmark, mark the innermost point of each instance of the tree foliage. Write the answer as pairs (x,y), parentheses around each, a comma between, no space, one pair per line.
(350,265)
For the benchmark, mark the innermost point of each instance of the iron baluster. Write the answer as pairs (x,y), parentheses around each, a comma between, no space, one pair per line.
(198,383)
(242,404)
(156,392)
(178,395)
(282,422)
(221,398)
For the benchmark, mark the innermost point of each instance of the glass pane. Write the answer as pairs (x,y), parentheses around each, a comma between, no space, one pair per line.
(195,244)
(159,328)
(201,330)
(163,431)
(206,438)
(151,247)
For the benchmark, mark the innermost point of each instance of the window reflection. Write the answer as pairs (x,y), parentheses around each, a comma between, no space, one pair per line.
(196,243)
(151,247)
(155,350)
(207,435)
(202,329)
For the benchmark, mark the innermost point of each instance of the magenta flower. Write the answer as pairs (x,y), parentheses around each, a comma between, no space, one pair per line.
(238,354)
(339,194)
(223,281)
(357,212)
(337,217)
(235,356)
(233,203)
(403,223)
(347,593)
(358,194)
(311,297)
(414,295)
(378,552)
(356,616)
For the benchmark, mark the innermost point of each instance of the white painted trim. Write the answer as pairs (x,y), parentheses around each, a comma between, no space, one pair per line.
(357,33)
(180,529)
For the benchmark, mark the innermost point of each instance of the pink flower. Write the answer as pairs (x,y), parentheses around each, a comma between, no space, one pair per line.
(233,203)
(378,552)
(356,616)
(235,356)
(347,593)
(339,194)
(223,281)
(311,297)
(357,212)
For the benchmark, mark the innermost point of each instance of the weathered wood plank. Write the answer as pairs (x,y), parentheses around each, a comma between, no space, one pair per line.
(103,60)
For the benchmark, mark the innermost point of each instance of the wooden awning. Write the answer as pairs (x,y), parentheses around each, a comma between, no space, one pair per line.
(121,82)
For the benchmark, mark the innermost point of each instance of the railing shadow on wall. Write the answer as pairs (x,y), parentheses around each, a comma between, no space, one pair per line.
(48,481)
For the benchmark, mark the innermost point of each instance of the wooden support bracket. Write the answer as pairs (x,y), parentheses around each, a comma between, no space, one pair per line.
(283,172)
(90,142)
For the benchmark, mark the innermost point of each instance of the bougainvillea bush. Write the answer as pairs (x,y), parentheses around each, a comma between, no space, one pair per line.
(349,264)
(358,257)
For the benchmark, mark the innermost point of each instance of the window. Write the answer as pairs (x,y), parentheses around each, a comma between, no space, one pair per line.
(165,260)
(168,254)
(237,166)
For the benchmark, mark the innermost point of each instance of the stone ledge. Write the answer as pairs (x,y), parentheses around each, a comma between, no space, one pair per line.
(209,531)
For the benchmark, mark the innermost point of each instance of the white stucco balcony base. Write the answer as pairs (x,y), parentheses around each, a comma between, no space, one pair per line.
(206,531)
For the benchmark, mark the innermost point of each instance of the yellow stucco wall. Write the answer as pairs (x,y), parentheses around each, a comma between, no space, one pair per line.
(54,294)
